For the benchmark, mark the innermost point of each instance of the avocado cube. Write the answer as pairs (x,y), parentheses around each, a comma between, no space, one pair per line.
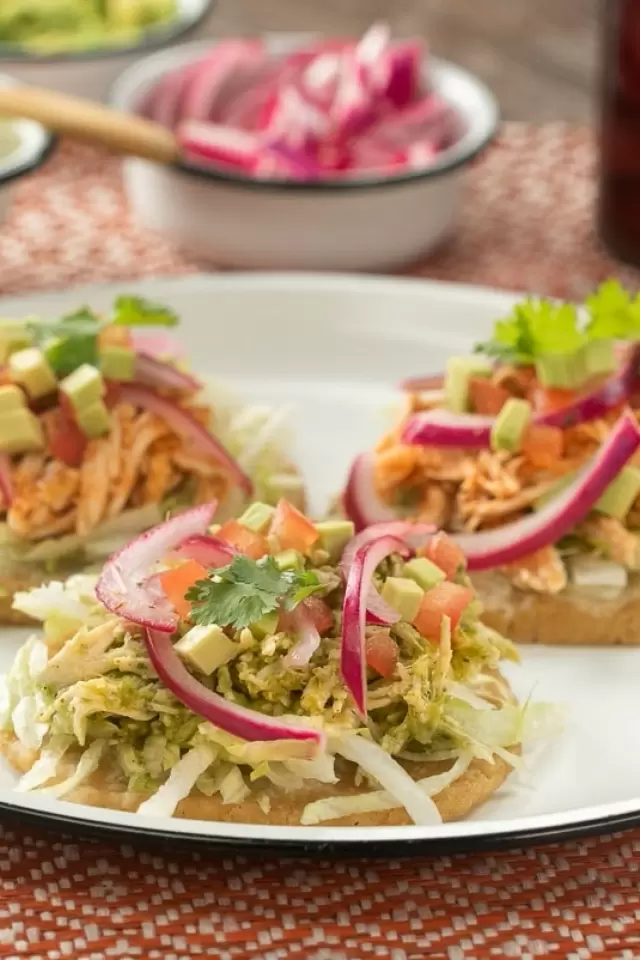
(456,380)
(599,357)
(620,495)
(257,517)
(566,371)
(94,420)
(12,398)
(206,648)
(289,560)
(404,595)
(425,573)
(84,387)
(20,432)
(266,626)
(287,486)
(30,368)
(510,424)
(13,336)
(117,363)
(335,535)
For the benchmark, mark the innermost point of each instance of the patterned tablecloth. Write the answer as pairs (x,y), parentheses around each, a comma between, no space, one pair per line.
(528,224)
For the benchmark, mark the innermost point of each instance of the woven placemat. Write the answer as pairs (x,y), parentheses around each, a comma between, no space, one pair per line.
(528,224)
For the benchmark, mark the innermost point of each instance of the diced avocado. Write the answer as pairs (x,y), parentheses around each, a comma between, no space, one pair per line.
(84,387)
(289,560)
(266,626)
(20,432)
(456,381)
(425,573)
(257,517)
(13,336)
(617,499)
(404,595)
(599,357)
(335,535)
(288,486)
(11,398)
(619,496)
(94,420)
(566,371)
(510,424)
(117,363)
(30,368)
(206,648)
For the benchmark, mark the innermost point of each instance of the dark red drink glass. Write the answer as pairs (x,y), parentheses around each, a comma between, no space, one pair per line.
(619,196)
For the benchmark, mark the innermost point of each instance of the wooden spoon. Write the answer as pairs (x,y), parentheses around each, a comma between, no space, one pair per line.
(91,122)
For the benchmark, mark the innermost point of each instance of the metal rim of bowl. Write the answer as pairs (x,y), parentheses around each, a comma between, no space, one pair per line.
(153,41)
(458,157)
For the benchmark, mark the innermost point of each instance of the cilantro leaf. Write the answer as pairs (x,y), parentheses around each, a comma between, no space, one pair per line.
(138,312)
(246,590)
(613,314)
(70,341)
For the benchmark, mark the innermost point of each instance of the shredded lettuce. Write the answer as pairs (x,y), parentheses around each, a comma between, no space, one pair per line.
(180,782)
(86,765)
(46,766)
(376,763)
(333,808)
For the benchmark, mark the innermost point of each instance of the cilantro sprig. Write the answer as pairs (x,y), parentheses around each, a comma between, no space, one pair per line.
(537,327)
(246,590)
(73,339)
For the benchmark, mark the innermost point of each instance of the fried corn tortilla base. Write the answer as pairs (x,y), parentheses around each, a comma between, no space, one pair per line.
(576,616)
(475,786)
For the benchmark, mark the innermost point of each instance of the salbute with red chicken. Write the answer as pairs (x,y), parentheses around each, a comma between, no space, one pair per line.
(526,453)
(269,669)
(103,431)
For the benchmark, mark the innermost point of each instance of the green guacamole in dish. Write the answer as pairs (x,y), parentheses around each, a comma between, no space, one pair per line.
(56,26)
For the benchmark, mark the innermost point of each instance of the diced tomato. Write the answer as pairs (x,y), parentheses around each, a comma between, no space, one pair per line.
(292,529)
(445,553)
(382,653)
(247,541)
(487,398)
(543,446)
(176,582)
(548,399)
(321,616)
(65,440)
(444,600)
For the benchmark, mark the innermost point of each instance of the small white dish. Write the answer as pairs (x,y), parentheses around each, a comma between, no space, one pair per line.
(29,146)
(90,73)
(373,223)
(332,348)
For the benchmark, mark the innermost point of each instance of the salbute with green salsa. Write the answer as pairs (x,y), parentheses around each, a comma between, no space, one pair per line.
(103,430)
(268,669)
(526,452)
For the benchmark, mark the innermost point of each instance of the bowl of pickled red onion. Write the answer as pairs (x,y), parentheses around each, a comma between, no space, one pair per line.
(306,153)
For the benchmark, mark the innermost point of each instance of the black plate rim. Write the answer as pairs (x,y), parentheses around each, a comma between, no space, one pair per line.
(491,840)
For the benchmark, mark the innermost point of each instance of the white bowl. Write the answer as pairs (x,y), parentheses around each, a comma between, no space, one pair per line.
(33,146)
(91,73)
(365,224)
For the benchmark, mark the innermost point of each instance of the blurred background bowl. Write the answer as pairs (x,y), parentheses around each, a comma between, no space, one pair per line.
(24,146)
(91,72)
(372,223)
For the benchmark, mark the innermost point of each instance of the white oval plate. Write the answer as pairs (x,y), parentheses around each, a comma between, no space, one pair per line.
(333,347)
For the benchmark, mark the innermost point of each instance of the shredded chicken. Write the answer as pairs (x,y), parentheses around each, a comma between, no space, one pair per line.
(481,490)
(543,572)
(613,539)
